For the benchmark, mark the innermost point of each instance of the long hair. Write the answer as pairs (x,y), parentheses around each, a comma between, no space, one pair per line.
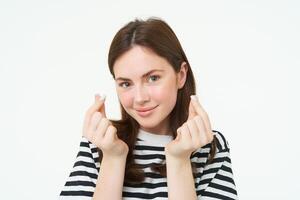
(157,35)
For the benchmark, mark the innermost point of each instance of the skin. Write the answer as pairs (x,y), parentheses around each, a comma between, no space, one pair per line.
(100,131)
(156,89)
(159,89)
(192,135)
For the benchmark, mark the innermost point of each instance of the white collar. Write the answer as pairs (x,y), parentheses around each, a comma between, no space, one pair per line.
(154,138)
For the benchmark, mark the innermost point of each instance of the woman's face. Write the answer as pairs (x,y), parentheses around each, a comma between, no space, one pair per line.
(146,81)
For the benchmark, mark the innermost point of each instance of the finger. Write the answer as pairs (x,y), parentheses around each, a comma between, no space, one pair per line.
(98,104)
(192,111)
(101,99)
(200,111)
(195,132)
(110,134)
(95,120)
(94,108)
(210,136)
(102,128)
(178,137)
(102,110)
(203,131)
(185,135)
(196,104)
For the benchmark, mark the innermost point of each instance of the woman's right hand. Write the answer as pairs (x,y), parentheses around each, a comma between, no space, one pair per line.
(100,131)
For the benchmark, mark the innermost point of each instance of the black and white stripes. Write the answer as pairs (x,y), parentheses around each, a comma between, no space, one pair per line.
(213,181)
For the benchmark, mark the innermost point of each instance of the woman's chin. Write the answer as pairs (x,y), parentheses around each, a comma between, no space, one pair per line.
(147,124)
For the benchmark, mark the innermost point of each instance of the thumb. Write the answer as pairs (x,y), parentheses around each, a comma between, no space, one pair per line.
(192,111)
(178,134)
(102,109)
(100,102)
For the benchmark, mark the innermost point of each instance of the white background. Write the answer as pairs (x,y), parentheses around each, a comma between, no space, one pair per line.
(53,58)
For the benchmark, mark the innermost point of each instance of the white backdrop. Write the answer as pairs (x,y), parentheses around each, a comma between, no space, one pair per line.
(53,58)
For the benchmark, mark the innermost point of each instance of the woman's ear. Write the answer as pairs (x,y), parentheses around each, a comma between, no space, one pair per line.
(181,75)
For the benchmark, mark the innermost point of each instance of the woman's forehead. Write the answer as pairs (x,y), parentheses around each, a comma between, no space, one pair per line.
(138,62)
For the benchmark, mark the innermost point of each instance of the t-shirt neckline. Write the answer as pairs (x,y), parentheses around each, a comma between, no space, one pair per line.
(154,138)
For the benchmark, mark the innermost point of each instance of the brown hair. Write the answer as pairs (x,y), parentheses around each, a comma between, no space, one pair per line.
(158,36)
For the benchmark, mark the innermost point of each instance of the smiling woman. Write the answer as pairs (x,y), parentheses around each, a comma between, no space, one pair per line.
(148,79)
(163,147)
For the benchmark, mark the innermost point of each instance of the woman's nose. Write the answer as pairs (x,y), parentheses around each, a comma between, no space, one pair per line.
(141,95)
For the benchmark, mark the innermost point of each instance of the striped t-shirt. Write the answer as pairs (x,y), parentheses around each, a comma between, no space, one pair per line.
(213,180)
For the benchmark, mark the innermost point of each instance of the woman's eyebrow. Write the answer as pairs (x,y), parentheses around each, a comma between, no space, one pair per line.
(146,74)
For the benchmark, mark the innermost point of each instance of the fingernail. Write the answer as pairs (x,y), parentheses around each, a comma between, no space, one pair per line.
(194,97)
(97,95)
(103,97)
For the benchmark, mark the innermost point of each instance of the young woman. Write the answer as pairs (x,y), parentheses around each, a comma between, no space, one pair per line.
(163,147)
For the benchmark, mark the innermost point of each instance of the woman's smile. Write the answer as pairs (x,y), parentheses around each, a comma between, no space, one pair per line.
(150,93)
(145,111)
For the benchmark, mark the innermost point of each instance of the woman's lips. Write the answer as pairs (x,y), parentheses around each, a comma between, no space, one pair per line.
(145,112)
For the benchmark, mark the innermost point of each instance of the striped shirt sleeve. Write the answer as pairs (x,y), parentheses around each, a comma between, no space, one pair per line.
(217,181)
(83,177)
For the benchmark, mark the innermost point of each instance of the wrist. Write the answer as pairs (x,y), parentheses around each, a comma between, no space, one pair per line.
(180,158)
(177,161)
(178,167)
(114,159)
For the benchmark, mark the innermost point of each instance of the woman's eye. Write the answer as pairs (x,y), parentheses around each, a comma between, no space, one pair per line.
(127,84)
(122,84)
(155,77)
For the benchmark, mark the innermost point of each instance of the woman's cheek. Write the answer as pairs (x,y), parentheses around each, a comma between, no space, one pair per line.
(125,99)
(159,93)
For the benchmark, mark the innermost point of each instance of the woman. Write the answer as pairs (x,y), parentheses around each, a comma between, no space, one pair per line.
(163,147)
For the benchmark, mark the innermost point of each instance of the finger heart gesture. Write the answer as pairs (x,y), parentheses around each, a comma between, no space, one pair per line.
(100,131)
(193,134)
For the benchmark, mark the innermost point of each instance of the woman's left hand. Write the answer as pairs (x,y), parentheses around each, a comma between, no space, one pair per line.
(193,134)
